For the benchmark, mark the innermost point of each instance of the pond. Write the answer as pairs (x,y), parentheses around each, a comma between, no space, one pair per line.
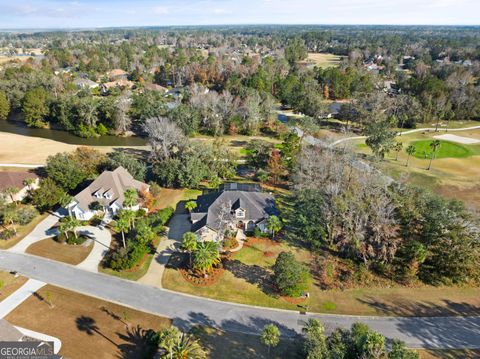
(67,137)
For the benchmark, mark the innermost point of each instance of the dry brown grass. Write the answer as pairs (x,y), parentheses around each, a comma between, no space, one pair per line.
(22,232)
(9,284)
(323,60)
(449,354)
(62,252)
(221,345)
(35,150)
(88,327)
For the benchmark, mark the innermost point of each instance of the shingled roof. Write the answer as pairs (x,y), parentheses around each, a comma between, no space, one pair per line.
(14,179)
(115,183)
(257,205)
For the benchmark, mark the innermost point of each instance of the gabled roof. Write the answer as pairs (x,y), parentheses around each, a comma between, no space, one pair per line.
(14,179)
(114,183)
(257,206)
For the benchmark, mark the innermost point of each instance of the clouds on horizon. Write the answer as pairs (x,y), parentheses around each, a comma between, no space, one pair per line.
(108,13)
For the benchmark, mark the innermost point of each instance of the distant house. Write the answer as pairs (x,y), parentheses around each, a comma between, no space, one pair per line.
(105,193)
(155,87)
(83,83)
(234,207)
(117,74)
(123,84)
(19,181)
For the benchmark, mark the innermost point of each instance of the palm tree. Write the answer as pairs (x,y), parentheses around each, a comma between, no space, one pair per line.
(206,256)
(130,197)
(190,205)
(10,216)
(397,147)
(434,145)
(270,336)
(69,224)
(12,191)
(29,182)
(188,347)
(274,224)
(168,338)
(189,244)
(121,225)
(129,216)
(410,152)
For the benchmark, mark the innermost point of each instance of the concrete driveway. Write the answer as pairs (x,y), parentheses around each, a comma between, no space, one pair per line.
(178,225)
(101,243)
(187,310)
(41,231)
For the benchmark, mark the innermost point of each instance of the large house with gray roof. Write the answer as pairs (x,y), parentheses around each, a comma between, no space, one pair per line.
(106,192)
(233,207)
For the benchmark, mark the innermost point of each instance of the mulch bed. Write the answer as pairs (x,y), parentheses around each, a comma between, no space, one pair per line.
(268,254)
(250,242)
(291,300)
(199,280)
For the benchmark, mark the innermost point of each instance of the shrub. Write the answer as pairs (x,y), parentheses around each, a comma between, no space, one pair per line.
(161,217)
(290,276)
(7,234)
(26,214)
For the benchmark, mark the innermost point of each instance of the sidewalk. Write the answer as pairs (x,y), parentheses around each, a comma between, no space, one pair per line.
(19,296)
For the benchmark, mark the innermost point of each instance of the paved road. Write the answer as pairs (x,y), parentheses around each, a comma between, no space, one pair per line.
(427,129)
(453,332)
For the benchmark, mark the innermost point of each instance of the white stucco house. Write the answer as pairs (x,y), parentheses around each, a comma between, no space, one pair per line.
(105,193)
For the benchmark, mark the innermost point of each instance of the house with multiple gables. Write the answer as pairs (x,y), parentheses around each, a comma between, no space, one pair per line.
(105,193)
(234,207)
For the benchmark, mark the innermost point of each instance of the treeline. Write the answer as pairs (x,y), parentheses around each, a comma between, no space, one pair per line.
(404,233)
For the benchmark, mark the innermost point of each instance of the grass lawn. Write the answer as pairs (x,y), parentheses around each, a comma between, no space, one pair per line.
(446,150)
(452,177)
(236,143)
(88,327)
(62,252)
(9,284)
(22,232)
(221,345)
(322,60)
(246,281)
(449,354)
(171,197)
(134,274)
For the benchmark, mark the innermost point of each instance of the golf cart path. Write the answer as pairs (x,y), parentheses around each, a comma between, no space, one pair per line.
(406,133)
(187,310)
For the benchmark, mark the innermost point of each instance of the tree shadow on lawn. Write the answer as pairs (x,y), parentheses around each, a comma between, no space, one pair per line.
(407,308)
(136,346)
(249,324)
(224,344)
(253,274)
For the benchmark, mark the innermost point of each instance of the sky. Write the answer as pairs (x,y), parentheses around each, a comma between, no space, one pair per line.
(30,14)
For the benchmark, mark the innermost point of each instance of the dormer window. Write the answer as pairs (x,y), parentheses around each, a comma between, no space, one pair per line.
(240,213)
(107,195)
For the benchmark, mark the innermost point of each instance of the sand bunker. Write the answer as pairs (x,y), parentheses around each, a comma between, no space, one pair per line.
(457,139)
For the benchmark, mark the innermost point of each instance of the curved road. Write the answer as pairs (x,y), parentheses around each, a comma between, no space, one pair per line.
(406,133)
(185,310)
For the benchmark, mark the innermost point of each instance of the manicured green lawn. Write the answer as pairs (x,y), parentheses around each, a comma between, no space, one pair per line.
(446,150)
(247,280)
